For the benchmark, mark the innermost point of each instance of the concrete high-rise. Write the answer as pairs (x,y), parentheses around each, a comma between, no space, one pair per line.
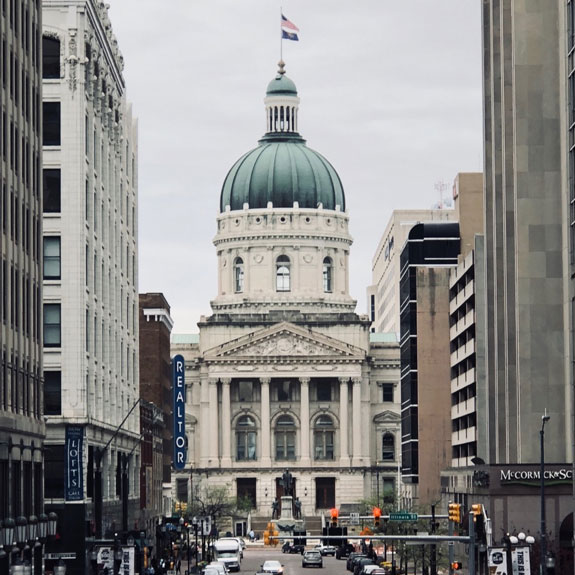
(22,427)
(527,273)
(383,294)
(91,366)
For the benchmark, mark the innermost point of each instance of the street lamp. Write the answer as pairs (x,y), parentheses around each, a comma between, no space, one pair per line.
(52,524)
(2,541)
(543,565)
(42,535)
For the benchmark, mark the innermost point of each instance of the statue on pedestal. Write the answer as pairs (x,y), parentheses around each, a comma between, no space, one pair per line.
(275,508)
(287,482)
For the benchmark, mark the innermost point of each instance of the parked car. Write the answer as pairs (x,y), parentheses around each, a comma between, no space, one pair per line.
(360,563)
(350,558)
(312,558)
(326,550)
(289,547)
(372,569)
(344,550)
(220,566)
(272,566)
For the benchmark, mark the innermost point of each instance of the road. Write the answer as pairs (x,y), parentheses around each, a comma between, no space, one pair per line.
(255,556)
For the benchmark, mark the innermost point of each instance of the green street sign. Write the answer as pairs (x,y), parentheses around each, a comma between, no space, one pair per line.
(403,516)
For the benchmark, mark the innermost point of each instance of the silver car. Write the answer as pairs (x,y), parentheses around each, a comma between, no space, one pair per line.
(312,558)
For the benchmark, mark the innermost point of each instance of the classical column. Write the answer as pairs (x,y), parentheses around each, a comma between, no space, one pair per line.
(214,423)
(226,423)
(304,446)
(356,421)
(204,420)
(265,411)
(343,421)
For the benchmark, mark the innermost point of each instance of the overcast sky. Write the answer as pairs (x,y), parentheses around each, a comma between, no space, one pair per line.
(390,94)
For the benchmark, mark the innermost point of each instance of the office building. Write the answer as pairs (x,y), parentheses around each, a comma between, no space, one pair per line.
(22,427)
(383,294)
(90,299)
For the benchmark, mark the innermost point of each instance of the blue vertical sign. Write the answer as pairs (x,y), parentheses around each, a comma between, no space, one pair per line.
(179,383)
(74,484)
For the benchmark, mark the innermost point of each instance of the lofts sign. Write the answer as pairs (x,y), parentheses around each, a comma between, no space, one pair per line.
(74,485)
(179,390)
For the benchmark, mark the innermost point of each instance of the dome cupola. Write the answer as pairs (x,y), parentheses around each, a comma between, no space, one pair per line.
(282,171)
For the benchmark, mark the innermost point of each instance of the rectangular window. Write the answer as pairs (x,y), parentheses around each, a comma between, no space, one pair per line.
(52,325)
(50,58)
(323,391)
(51,258)
(53,392)
(246,490)
(388,392)
(245,391)
(388,490)
(52,190)
(54,472)
(51,124)
(284,390)
(182,490)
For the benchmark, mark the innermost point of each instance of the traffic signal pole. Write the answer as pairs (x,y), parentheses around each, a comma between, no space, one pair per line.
(450,547)
(471,544)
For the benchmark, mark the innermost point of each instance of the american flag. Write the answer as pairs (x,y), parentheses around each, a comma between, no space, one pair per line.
(288,24)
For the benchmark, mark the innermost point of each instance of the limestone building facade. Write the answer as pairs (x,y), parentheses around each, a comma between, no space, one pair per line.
(284,373)
(90,299)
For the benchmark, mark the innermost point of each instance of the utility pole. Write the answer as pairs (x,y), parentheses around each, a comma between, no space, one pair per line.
(98,456)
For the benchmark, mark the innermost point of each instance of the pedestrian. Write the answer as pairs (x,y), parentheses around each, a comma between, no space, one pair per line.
(252,535)
(178,566)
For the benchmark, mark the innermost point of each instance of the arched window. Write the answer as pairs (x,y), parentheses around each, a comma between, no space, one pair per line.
(282,274)
(388,447)
(323,435)
(285,438)
(246,436)
(327,275)
(239,275)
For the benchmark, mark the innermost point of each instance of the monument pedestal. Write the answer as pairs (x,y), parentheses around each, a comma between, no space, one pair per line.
(287,524)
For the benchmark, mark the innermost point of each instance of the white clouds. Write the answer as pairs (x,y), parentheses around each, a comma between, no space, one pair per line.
(390,95)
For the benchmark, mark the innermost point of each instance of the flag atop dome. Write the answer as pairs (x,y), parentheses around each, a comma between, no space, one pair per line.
(289,29)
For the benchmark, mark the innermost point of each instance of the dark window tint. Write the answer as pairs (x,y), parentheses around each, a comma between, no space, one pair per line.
(52,392)
(54,471)
(50,58)
(52,188)
(51,124)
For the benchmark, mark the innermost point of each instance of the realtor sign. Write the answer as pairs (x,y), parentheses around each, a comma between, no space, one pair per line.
(179,390)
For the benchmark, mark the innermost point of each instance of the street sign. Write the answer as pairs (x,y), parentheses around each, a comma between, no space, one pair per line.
(403,516)
(354,518)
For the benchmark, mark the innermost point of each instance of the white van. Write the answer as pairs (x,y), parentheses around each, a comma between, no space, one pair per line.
(228,551)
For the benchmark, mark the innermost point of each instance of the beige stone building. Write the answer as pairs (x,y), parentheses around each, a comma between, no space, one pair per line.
(284,373)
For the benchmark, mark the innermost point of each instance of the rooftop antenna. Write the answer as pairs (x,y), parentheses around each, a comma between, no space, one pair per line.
(440,187)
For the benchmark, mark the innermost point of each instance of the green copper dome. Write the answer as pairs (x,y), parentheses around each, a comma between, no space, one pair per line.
(282,169)
(281,84)
(282,172)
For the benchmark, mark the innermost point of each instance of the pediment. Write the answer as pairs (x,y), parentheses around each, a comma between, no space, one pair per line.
(387,417)
(285,340)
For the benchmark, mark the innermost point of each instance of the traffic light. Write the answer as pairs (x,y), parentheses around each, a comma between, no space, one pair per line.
(455,512)
(477,509)
(334,513)
(457,565)
(376,516)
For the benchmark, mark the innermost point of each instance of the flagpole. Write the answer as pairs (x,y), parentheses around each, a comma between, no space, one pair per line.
(281,36)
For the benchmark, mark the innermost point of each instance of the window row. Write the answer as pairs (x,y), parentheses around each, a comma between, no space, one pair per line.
(20,385)
(284,436)
(19,221)
(283,274)
(19,300)
(247,391)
